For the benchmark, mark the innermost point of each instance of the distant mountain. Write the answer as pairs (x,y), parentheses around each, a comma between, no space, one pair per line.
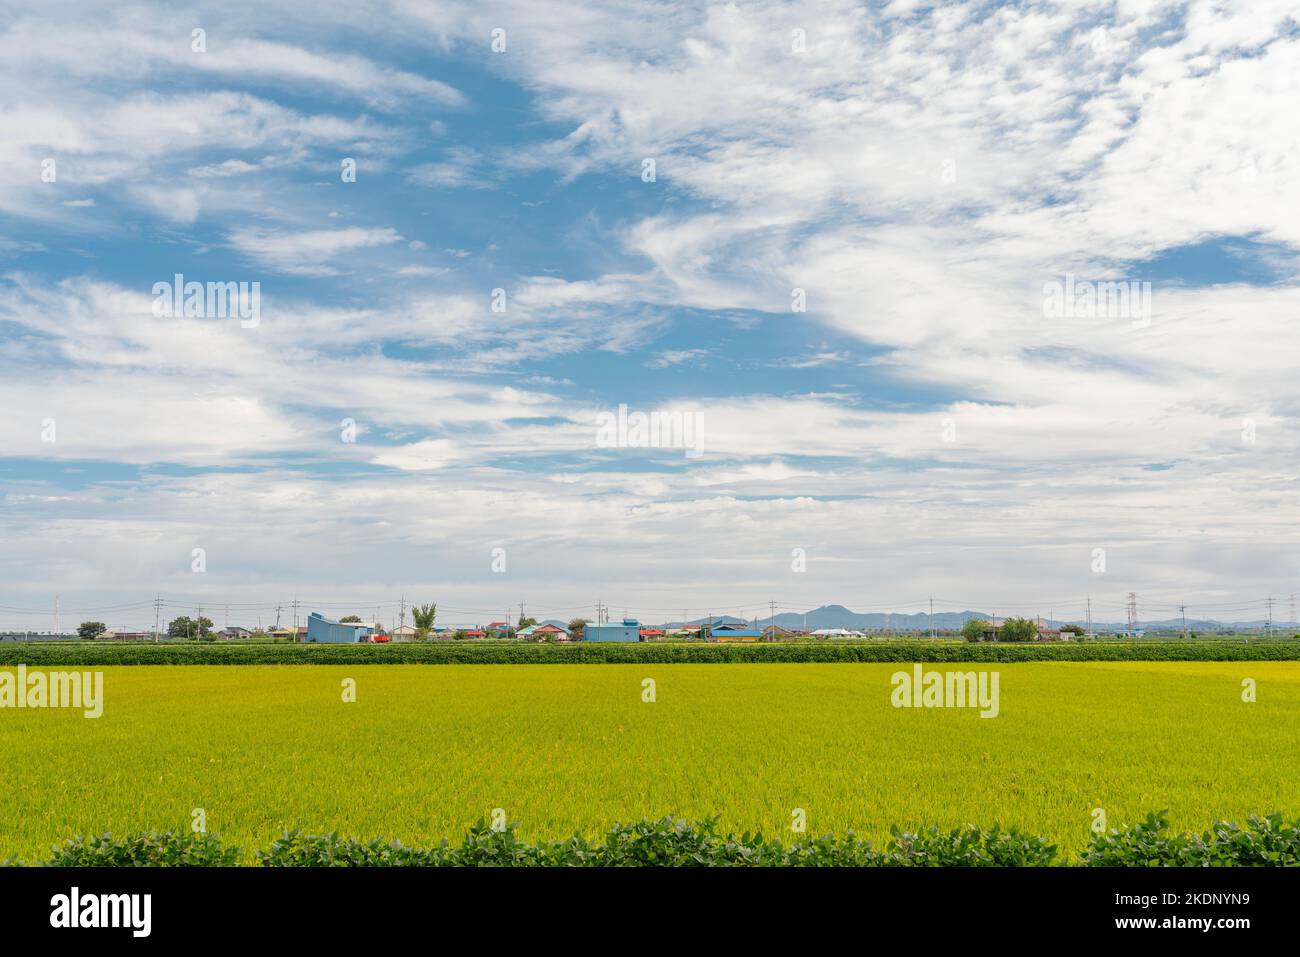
(837,616)
(715,620)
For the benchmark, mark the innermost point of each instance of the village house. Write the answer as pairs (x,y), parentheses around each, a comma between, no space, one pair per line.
(322,630)
(543,632)
(731,632)
(629,630)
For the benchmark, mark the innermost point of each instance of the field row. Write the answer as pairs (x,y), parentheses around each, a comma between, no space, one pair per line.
(1265,841)
(53,654)
(421,753)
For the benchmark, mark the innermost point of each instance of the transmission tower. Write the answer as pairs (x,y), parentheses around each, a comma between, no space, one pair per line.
(1132,612)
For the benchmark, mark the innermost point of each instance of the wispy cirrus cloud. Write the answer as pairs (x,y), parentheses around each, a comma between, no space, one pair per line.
(316,252)
(500,272)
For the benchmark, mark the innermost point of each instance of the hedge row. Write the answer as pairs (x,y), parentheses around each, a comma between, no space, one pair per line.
(1264,842)
(39,654)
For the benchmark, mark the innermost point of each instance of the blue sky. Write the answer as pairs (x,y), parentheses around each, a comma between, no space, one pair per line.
(919,174)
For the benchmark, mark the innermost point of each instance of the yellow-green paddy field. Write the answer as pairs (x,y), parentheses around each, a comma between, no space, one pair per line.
(426,750)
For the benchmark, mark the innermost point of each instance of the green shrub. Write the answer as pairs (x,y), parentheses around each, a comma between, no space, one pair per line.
(833,851)
(294,849)
(1266,841)
(670,842)
(969,846)
(56,654)
(155,849)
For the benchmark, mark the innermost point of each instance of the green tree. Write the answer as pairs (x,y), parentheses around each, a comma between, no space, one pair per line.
(350,620)
(91,629)
(1076,630)
(576,628)
(525,623)
(1018,629)
(974,629)
(423,616)
(186,627)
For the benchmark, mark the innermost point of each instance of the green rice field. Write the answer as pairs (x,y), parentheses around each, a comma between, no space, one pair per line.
(426,750)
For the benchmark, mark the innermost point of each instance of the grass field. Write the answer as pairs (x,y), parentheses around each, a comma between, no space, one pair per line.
(426,750)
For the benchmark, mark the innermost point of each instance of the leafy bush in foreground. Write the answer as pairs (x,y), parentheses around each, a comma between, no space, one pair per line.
(970,847)
(52,654)
(294,849)
(155,849)
(670,842)
(1265,842)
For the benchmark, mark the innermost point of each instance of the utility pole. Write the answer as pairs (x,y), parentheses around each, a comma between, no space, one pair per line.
(58,627)
(278,609)
(931,616)
(198,621)
(521,614)
(401,619)
(295,619)
(1268,622)
(1089,631)
(157,615)
(1182,610)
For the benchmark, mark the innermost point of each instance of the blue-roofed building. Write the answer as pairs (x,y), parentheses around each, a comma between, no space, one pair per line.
(328,631)
(630,630)
(731,632)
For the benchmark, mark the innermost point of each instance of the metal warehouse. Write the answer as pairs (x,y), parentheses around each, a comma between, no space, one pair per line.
(329,631)
(630,630)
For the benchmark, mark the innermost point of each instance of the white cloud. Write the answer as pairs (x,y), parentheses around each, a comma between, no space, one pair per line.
(317,252)
(462,168)
(919,172)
